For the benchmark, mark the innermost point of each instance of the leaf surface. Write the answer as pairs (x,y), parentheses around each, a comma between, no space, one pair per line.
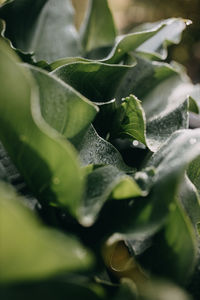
(156,47)
(47,162)
(44,27)
(97,31)
(28,249)
(62,107)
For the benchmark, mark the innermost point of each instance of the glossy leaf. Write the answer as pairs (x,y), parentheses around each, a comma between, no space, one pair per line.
(97,31)
(28,249)
(37,150)
(45,28)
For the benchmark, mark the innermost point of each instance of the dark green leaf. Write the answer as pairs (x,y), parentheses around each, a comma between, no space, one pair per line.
(95,150)
(53,289)
(44,27)
(28,250)
(62,107)
(170,166)
(95,80)
(41,155)
(104,183)
(97,31)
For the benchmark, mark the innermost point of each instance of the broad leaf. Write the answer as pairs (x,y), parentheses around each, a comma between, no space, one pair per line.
(104,183)
(97,31)
(62,107)
(127,43)
(156,47)
(95,80)
(190,200)
(151,290)
(145,76)
(28,249)
(95,150)
(174,248)
(47,162)
(166,109)
(44,27)
(170,167)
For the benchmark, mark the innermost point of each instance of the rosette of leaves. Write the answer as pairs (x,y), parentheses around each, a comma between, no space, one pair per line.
(99,169)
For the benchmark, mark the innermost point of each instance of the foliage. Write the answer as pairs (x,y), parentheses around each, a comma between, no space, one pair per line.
(99,170)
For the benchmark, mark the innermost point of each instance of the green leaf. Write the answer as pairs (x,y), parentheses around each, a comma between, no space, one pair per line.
(161,289)
(156,46)
(194,173)
(129,120)
(9,174)
(127,43)
(97,31)
(193,106)
(164,93)
(62,107)
(53,289)
(151,290)
(170,166)
(45,28)
(95,150)
(175,248)
(166,110)
(144,77)
(41,155)
(28,249)
(104,183)
(95,80)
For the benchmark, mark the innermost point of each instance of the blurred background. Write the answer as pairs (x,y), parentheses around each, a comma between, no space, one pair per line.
(130,13)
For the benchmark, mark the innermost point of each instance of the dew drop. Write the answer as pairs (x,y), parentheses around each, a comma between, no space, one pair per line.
(192,141)
(135,143)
